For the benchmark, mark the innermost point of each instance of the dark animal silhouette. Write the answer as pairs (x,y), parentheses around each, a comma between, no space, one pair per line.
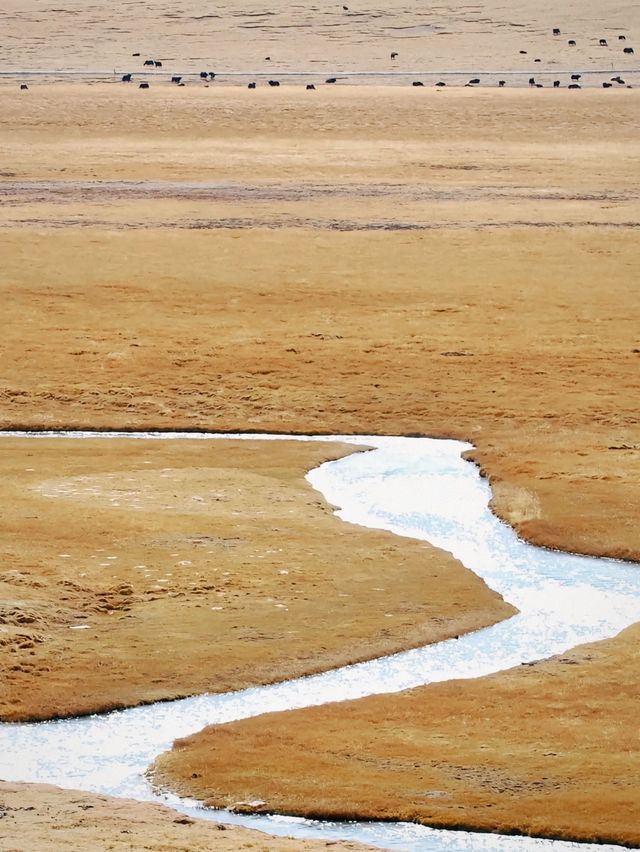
(618,79)
(556,84)
(576,76)
(143,86)
(606,85)
(135,54)
(126,78)
(158,64)
(574,86)
(212,75)
(417,83)
(251,86)
(394,55)
(502,83)
(474,81)
(331,80)
(628,50)
(311,87)
(24,87)
(622,38)
(537,60)
(556,30)
(523,52)
(346,8)
(532,81)
(274,83)
(603,42)
(267,59)
(539,86)
(149,62)
(176,80)
(204,75)
(571,43)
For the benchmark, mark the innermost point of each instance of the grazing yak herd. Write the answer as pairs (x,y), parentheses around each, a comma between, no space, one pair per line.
(207,76)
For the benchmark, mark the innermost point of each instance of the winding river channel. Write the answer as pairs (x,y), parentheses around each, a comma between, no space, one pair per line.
(417,487)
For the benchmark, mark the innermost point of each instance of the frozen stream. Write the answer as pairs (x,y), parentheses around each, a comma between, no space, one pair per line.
(416,487)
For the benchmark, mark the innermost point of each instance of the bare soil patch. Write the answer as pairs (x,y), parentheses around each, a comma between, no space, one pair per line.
(38,816)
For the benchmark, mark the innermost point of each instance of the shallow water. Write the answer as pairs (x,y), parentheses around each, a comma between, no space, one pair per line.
(416,487)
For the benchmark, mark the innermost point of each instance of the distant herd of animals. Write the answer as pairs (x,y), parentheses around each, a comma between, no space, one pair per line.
(474,81)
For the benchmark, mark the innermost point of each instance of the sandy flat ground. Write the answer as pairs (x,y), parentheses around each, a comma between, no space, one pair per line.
(459,263)
(38,816)
(325,39)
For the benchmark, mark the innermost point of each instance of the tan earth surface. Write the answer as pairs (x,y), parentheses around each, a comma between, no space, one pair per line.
(324,39)
(550,749)
(356,259)
(38,816)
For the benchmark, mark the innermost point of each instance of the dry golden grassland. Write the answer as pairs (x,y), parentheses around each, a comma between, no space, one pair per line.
(370,259)
(548,749)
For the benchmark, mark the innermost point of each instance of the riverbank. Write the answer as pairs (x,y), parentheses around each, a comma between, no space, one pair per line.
(211,566)
(548,749)
(38,816)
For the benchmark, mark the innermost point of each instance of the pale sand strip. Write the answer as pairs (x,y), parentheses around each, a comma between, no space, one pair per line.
(38,816)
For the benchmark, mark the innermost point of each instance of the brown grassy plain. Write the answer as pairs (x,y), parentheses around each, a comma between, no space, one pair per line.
(549,749)
(461,263)
(326,39)
(134,571)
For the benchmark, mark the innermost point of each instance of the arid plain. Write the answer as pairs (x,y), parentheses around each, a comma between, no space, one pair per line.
(359,259)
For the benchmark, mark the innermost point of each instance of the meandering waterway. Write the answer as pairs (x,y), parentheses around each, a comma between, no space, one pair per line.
(415,487)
